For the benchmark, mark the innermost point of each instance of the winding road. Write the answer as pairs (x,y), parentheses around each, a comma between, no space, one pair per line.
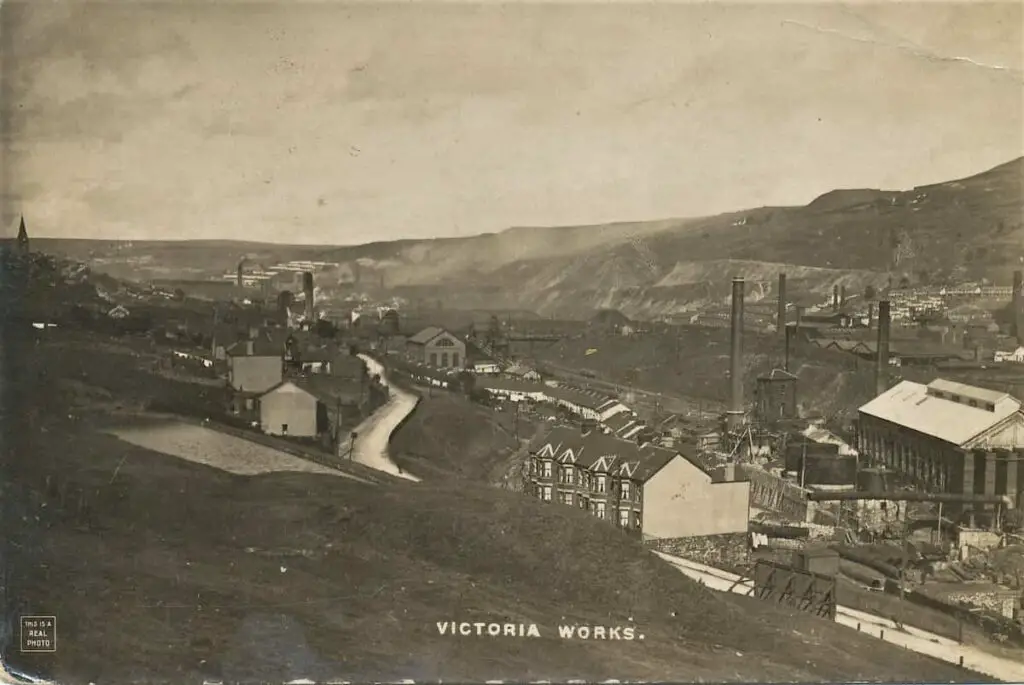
(914,639)
(374,433)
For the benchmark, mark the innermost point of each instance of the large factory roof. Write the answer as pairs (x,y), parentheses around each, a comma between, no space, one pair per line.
(943,409)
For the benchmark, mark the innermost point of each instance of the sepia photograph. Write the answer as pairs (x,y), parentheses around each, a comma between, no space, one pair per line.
(369,341)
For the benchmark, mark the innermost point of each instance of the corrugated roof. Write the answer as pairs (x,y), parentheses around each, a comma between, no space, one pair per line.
(908,404)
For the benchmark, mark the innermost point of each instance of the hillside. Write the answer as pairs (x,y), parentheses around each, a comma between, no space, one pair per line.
(159,569)
(968,228)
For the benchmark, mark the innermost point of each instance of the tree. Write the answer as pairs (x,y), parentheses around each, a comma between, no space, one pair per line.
(468,382)
(870,293)
(904,282)
(179,294)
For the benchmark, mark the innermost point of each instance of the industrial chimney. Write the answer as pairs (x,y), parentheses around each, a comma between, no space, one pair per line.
(882,370)
(781,318)
(1017,320)
(835,298)
(842,296)
(239,280)
(734,416)
(307,288)
(871,315)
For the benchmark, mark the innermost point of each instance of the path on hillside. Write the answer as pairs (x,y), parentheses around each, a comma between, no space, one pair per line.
(374,433)
(911,638)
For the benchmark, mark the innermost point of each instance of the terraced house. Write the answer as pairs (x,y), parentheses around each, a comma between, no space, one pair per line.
(649,491)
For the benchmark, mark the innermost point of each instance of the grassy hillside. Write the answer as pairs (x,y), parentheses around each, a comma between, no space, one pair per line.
(180,572)
(970,228)
(160,569)
(447,435)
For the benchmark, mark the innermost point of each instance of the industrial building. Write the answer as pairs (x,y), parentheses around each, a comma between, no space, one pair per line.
(434,346)
(652,492)
(951,437)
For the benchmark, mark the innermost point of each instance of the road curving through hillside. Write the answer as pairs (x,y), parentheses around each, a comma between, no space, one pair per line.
(374,433)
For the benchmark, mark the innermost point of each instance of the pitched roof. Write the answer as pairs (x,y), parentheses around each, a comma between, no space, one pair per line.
(511,385)
(581,398)
(919,408)
(426,335)
(619,421)
(261,347)
(327,390)
(596,451)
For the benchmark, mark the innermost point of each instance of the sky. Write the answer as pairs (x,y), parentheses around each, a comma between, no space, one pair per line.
(332,123)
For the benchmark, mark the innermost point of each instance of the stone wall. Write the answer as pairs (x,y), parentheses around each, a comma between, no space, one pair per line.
(729,552)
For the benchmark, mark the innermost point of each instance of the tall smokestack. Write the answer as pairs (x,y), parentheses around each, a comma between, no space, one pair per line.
(307,288)
(842,295)
(882,370)
(239,281)
(835,298)
(871,315)
(788,333)
(734,416)
(1017,300)
(781,317)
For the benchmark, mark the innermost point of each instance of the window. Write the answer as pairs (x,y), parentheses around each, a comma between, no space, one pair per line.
(599,510)
(531,467)
(284,429)
(582,502)
(547,469)
(973,403)
(638,493)
(249,403)
(567,475)
(636,521)
(547,493)
(444,342)
(601,484)
(444,359)
(624,489)
(433,358)
(624,518)
(455,359)
(567,498)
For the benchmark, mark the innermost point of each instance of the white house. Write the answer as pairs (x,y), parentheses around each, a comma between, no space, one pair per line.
(485,367)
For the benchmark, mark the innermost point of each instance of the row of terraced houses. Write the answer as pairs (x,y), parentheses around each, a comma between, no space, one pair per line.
(650,491)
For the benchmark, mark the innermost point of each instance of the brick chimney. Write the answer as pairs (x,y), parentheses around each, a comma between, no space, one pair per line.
(882,366)
(734,416)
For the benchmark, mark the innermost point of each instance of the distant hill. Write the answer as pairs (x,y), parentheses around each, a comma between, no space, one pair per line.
(967,228)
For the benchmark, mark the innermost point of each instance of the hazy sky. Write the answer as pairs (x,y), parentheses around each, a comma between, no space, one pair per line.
(331,123)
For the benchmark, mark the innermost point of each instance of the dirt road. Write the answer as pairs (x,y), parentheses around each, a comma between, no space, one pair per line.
(374,433)
(914,639)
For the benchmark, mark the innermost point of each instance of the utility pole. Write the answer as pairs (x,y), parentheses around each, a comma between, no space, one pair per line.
(352,444)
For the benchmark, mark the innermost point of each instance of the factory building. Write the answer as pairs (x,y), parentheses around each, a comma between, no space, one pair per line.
(949,436)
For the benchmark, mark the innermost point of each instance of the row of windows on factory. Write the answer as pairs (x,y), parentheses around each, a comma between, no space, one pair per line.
(598,509)
(444,359)
(987,406)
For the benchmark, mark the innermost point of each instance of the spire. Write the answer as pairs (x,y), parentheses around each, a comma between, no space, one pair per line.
(22,235)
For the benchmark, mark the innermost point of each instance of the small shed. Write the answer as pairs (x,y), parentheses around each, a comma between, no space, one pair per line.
(821,560)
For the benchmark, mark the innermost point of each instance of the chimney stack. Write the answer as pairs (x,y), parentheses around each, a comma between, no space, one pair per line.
(250,347)
(781,318)
(734,416)
(1017,320)
(835,298)
(307,288)
(788,333)
(239,280)
(842,296)
(871,315)
(882,370)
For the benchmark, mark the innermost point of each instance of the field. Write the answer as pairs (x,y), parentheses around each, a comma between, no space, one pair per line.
(160,568)
(449,436)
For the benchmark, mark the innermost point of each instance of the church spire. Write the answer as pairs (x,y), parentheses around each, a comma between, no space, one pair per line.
(22,236)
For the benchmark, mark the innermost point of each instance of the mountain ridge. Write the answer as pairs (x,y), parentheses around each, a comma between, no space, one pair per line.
(968,228)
